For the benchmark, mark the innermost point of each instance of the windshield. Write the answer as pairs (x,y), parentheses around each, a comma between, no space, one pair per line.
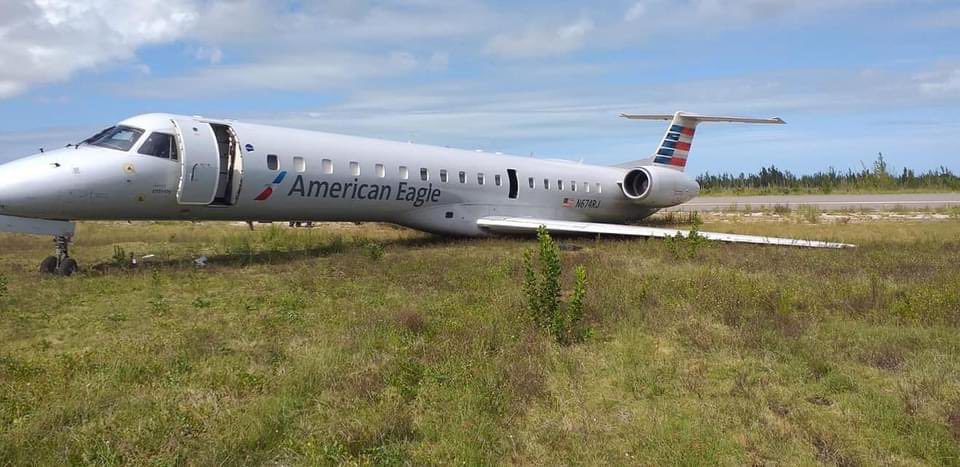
(119,137)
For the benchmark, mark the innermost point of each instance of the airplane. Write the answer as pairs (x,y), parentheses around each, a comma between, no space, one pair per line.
(175,167)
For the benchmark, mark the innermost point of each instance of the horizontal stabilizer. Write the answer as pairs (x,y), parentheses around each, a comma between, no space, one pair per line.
(704,118)
(36,226)
(527,225)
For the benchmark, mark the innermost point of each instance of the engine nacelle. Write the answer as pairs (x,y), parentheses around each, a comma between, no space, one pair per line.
(658,187)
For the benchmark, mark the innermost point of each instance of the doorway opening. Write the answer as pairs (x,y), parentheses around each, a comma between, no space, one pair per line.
(229,167)
(514,188)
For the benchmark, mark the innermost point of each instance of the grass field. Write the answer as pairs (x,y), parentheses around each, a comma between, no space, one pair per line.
(373,344)
(778,191)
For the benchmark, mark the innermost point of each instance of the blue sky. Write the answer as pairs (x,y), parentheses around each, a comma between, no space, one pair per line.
(851,77)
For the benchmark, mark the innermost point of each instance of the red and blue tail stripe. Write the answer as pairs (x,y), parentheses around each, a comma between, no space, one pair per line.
(675,146)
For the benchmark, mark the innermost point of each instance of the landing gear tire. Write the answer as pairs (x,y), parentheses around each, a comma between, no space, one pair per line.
(67,267)
(61,264)
(49,265)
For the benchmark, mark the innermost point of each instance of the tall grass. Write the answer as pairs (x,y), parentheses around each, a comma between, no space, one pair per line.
(739,354)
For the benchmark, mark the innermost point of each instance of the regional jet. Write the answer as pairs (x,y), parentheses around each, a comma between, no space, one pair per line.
(173,167)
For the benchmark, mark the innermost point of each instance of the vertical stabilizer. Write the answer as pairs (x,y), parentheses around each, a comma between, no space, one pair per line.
(675,145)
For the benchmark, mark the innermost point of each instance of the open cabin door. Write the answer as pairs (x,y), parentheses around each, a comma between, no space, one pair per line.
(199,161)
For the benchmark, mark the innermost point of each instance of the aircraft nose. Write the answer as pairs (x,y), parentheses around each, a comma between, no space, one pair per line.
(27,190)
(6,197)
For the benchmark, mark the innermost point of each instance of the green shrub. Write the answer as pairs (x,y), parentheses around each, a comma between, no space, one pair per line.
(158,303)
(237,245)
(782,209)
(811,214)
(119,257)
(542,288)
(3,286)
(375,251)
(687,246)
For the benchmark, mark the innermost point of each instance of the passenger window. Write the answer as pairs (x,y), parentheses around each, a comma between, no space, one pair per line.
(463,177)
(355,168)
(443,175)
(160,145)
(496,179)
(586,187)
(327,166)
(381,172)
(273,163)
(546,184)
(479,179)
(404,174)
(424,174)
(531,182)
(560,185)
(299,164)
(599,188)
(573,186)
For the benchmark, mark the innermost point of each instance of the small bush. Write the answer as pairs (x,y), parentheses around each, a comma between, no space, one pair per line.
(411,321)
(158,303)
(237,245)
(810,214)
(119,257)
(542,288)
(687,246)
(3,286)
(375,251)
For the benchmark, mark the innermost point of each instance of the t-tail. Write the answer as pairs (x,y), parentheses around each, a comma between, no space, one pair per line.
(675,146)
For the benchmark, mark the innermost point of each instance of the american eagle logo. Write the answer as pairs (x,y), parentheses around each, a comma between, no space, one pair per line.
(268,191)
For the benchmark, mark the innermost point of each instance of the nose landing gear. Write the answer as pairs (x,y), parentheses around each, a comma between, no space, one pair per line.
(61,264)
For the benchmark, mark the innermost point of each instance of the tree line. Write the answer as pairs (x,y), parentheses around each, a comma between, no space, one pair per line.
(869,179)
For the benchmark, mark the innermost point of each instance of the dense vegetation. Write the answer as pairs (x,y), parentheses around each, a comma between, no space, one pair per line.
(877,179)
(370,344)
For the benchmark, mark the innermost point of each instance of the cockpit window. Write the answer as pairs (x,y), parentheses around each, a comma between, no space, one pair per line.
(121,138)
(160,145)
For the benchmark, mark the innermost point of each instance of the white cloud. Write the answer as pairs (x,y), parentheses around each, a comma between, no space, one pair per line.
(43,41)
(439,61)
(288,72)
(48,40)
(212,55)
(943,82)
(729,13)
(541,41)
(637,11)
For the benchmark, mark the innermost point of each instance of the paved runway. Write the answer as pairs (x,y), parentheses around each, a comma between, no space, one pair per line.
(824,202)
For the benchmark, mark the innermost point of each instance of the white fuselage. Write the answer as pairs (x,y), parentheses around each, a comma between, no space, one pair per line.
(266,173)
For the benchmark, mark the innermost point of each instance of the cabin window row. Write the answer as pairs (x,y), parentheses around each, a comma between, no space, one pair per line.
(560,185)
(326,166)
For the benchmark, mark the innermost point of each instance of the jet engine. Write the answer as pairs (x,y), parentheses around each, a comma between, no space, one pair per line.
(658,186)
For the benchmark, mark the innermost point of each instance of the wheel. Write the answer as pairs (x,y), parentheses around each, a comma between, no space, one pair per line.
(49,265)
(67,267)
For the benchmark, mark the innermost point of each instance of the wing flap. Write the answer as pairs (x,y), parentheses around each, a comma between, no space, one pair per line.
(525,225)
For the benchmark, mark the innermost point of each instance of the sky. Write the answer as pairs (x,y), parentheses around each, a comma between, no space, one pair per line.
(853,78)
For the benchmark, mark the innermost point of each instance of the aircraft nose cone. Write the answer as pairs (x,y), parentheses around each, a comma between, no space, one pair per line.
(27,189)
(6,197)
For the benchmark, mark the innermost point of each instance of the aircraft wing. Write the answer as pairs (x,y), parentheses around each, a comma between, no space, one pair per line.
(526,225)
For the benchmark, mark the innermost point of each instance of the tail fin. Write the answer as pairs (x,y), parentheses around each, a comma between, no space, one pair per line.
(675,146)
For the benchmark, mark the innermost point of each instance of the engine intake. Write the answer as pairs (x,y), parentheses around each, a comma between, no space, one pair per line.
(636,184)
(658,187)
